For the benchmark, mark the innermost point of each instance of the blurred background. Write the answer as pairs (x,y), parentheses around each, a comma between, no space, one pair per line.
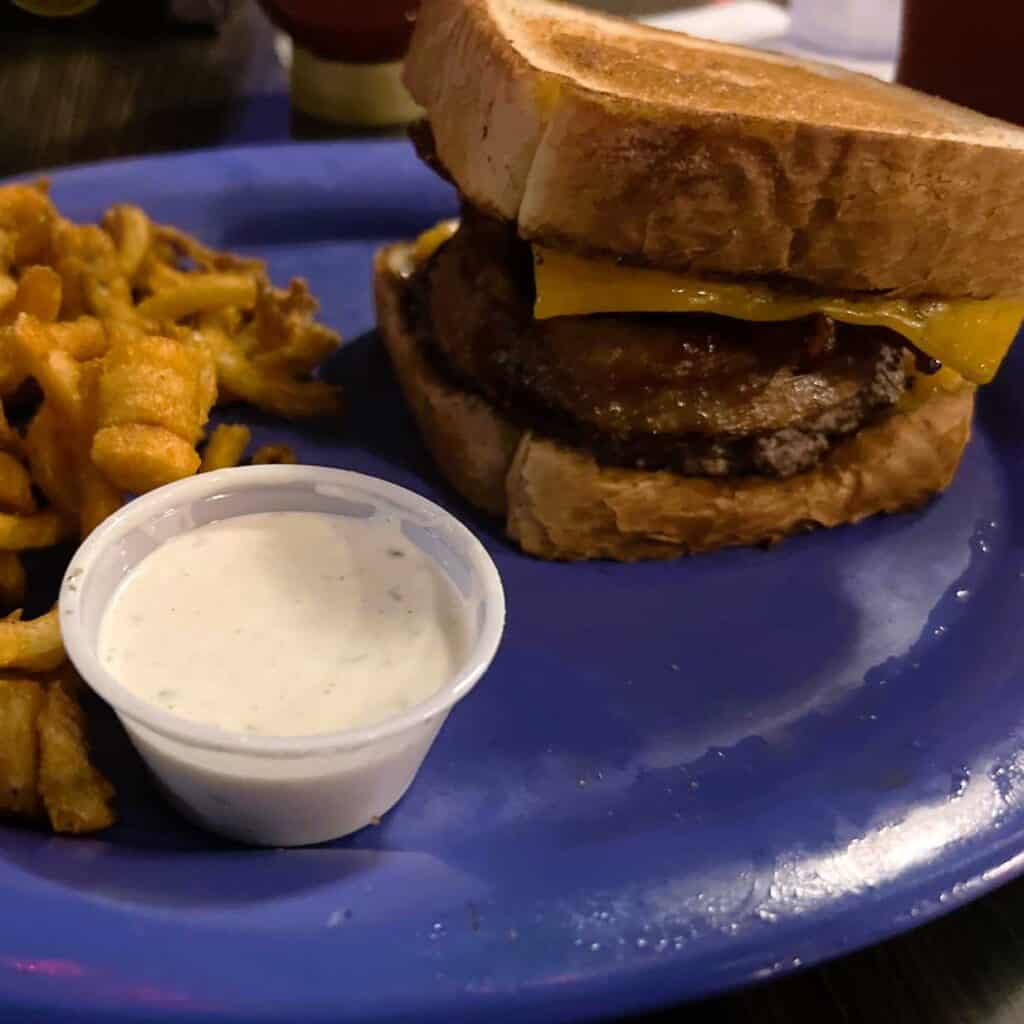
(102,79)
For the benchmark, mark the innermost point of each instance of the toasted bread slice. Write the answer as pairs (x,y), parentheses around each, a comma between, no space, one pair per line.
(559,503)
(617,139)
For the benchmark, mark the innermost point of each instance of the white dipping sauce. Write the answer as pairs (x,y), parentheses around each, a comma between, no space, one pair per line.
(285,624)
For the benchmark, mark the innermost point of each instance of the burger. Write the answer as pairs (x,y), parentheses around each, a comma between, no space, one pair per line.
(697,296)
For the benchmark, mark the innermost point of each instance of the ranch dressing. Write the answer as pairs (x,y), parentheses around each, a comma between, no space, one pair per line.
(285,624)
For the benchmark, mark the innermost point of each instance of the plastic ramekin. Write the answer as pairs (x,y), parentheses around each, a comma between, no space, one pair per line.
(267,790)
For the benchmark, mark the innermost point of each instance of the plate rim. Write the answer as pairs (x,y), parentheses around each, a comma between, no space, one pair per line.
(987,868)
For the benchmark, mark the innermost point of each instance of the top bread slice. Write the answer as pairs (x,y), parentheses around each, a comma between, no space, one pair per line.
(616,139)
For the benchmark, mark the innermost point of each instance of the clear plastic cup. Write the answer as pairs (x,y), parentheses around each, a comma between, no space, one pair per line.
(278,791)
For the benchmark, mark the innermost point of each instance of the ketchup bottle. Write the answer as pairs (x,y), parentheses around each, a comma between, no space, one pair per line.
(347,58)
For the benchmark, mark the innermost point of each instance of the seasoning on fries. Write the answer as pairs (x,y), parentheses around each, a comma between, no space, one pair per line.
(20,703)
(226,447)
(116,342)
(76,796)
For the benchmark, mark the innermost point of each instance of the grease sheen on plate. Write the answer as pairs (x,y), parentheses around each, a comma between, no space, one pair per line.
(757,759)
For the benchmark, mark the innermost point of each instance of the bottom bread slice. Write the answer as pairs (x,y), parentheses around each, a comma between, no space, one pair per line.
(558,502)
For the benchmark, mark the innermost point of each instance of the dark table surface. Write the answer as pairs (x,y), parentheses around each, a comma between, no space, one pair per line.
(121,82)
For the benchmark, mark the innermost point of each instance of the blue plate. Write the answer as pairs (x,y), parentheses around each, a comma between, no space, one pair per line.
(676,778)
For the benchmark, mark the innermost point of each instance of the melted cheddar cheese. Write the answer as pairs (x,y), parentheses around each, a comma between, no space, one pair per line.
(969,336)
(432,239)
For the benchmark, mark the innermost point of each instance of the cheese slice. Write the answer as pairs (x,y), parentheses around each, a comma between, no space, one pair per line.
(432,239)
(968,335)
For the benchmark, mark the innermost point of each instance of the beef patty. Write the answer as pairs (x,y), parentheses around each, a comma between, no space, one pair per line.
(701,395)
